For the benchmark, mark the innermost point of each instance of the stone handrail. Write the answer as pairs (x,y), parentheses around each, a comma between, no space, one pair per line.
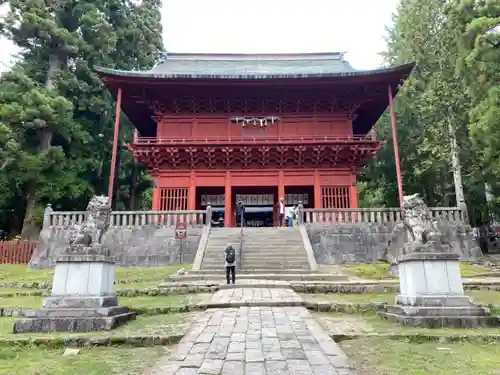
(325,216)
(192,218)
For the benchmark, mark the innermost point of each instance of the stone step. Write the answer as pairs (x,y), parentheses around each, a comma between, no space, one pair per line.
(261,261)
(435,311)
(277,275)
(257,260)
(442,321)
(273,250)
(276,253)
(274,257)
(271,239)
(265,245)
(256,271)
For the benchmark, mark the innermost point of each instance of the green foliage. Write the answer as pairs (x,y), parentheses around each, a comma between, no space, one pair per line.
(440,102)
(56,118)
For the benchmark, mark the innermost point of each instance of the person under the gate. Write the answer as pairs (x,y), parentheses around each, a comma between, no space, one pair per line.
(290,216)
(230,260)
(240,214)
(281,209)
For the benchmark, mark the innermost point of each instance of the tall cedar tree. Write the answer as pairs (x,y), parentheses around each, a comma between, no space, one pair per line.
(479,66)
(432,111)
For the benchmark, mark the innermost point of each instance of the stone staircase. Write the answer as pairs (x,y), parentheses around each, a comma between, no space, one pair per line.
(274,249)
(218,240)
(268,254)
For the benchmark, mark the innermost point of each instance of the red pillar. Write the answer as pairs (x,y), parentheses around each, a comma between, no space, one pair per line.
(353,196)
(155,199)
(228,209)
(115,146)
(396,148)
(281,194)
(281,185)
(192,191)
(317,190)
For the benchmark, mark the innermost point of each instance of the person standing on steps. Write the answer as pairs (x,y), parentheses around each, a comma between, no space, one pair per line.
(240,214)
(230,259)
(281,209)
(290,216)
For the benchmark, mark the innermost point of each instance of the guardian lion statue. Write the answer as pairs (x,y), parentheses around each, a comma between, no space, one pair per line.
(94,226)
(420,228)
(416,233)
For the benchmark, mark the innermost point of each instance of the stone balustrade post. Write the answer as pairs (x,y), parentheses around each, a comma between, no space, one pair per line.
(300,213)
(209,215)
(46,216)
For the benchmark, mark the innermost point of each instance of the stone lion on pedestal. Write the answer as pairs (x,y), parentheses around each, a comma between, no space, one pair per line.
(418,222)
(94,226)
(416,233)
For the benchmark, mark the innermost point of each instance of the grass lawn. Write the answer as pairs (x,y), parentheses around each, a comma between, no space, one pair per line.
(377,271)
(378,356)
(90,361)
(369,322)
(139,302)
(484,297)
(154,325)
(19,273)
(349,298)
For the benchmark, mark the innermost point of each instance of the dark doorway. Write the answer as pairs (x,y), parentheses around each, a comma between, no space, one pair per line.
(214,196)
(259,204)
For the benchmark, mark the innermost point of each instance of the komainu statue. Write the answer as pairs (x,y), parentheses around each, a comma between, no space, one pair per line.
(417,220)
(94,226)
(416,233)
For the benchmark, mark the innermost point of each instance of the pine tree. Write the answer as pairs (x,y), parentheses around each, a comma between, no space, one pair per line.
(65,115)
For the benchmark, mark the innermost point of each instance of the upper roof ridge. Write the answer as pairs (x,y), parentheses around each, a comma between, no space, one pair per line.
(255,56)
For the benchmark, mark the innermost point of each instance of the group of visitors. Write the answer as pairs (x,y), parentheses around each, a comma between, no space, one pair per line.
(286,215)
(290,214)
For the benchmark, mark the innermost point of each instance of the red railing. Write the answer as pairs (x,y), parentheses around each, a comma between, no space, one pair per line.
(251,140)
(16,252)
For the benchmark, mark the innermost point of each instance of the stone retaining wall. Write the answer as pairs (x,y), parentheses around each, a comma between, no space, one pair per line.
(369,242)
(141,246)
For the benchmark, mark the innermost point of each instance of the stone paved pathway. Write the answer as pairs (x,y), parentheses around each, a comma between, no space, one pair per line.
(258,296)
(252,340)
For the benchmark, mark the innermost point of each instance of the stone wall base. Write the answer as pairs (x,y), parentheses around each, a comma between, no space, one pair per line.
(75,314)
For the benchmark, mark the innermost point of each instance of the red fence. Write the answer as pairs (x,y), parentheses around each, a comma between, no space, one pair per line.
(16,252)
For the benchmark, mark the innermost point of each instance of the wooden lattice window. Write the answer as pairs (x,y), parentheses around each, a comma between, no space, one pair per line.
(173,199)
(335,197)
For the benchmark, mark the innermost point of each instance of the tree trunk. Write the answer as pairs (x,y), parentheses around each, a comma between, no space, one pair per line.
(456,167)
(490,200)
(133,187)
(45,136)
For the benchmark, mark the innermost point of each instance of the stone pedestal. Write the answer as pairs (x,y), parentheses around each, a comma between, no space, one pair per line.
(82,298)
(432,294)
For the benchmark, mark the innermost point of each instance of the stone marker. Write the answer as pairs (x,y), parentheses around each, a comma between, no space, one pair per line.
(82,298)
(68,352)
(431,288)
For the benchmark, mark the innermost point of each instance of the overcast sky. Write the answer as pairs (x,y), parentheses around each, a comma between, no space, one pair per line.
(266,26)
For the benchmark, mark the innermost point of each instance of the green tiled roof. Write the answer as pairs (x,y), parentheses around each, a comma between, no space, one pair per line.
(246,66)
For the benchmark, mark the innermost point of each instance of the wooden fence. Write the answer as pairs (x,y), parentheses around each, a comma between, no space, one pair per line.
(16,252)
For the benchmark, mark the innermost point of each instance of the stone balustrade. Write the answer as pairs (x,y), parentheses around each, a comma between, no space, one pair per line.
(329,216)
(126,219)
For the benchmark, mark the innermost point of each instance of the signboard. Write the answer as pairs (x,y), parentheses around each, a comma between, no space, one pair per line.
(214,200)
(180,230)
(291,199)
